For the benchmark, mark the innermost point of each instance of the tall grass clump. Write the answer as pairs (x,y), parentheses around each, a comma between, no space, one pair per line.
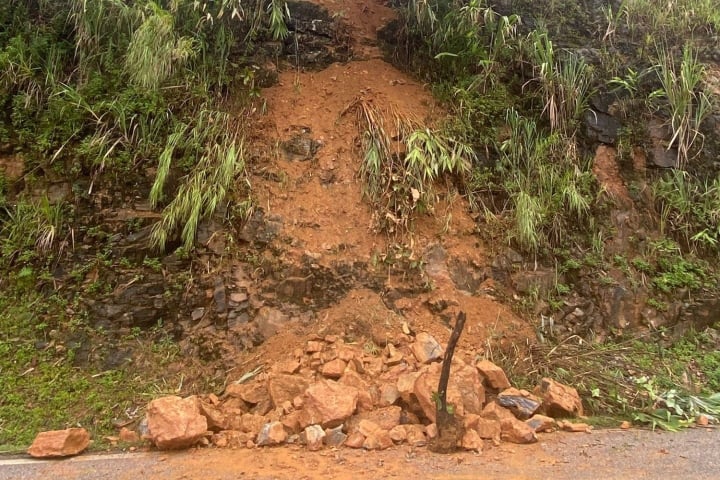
(402,160)
(214,146)
(682,99)
(550,188)
(564,80)
(690,209)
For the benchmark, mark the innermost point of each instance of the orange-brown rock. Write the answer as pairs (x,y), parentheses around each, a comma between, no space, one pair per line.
(366,400)
(471,441)
(355,440)
(465,391)
(334,369)
(559,400)
(175,422)
(128,436)
(541,423)
(494,376)
(426,349)
(282,388)
(415,435)
(328,403)
(252,393)
(493,411)
(216,419)
(272,433)
(574,427)
(376,438)
(59,443)
(516,431)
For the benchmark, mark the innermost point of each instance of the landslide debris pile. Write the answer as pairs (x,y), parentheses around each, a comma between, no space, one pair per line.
(331,393)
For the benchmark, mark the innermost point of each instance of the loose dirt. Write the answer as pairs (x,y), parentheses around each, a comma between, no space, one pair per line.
(326,216)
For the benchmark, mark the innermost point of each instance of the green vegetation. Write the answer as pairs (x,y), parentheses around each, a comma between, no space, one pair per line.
(43,384)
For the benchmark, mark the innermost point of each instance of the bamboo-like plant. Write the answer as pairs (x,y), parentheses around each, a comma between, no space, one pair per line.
(216,143)
(682,99)
(401,162)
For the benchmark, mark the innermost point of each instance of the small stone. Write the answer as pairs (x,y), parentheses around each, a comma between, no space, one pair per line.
(331,338)
(128,436)
(515,431)
(520,402)
(541,423)
(431,430)
(334,369)
(386,418)
(471,441)
(253,393)
(559,400)
(575,427)
(288,366)
(314,346)
(376,438)
(272,433)
(313,437)
(238,297)
(487,428)
(703,421)
(494,375)
(626,425)
(249,444)
(175,422)
(335,437)
(355,440)
(398,433)
(493,411)
(415,435)
(59,443)
(426,349)
(251,423)
(389,394)
(197,314)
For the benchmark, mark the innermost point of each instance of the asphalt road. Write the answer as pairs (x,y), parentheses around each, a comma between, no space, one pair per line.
(632,454)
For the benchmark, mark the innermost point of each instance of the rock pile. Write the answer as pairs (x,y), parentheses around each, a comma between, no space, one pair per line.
(332,393)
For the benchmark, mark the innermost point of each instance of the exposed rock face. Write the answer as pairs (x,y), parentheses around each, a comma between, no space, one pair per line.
(175,422)
(559,400)
(329,403)
(59,443)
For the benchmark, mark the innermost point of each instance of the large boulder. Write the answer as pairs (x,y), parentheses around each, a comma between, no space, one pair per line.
(494,376)
(284,388)
(559,400)
(329,403)
(465,390)
(59,443)
(175,422)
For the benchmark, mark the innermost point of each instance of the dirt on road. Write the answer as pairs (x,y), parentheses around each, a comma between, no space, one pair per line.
(609,454)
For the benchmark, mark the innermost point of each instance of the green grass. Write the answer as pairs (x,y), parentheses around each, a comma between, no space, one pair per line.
(43,389)
(629,378)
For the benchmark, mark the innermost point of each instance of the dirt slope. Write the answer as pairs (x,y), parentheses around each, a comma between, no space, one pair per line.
(309,178)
